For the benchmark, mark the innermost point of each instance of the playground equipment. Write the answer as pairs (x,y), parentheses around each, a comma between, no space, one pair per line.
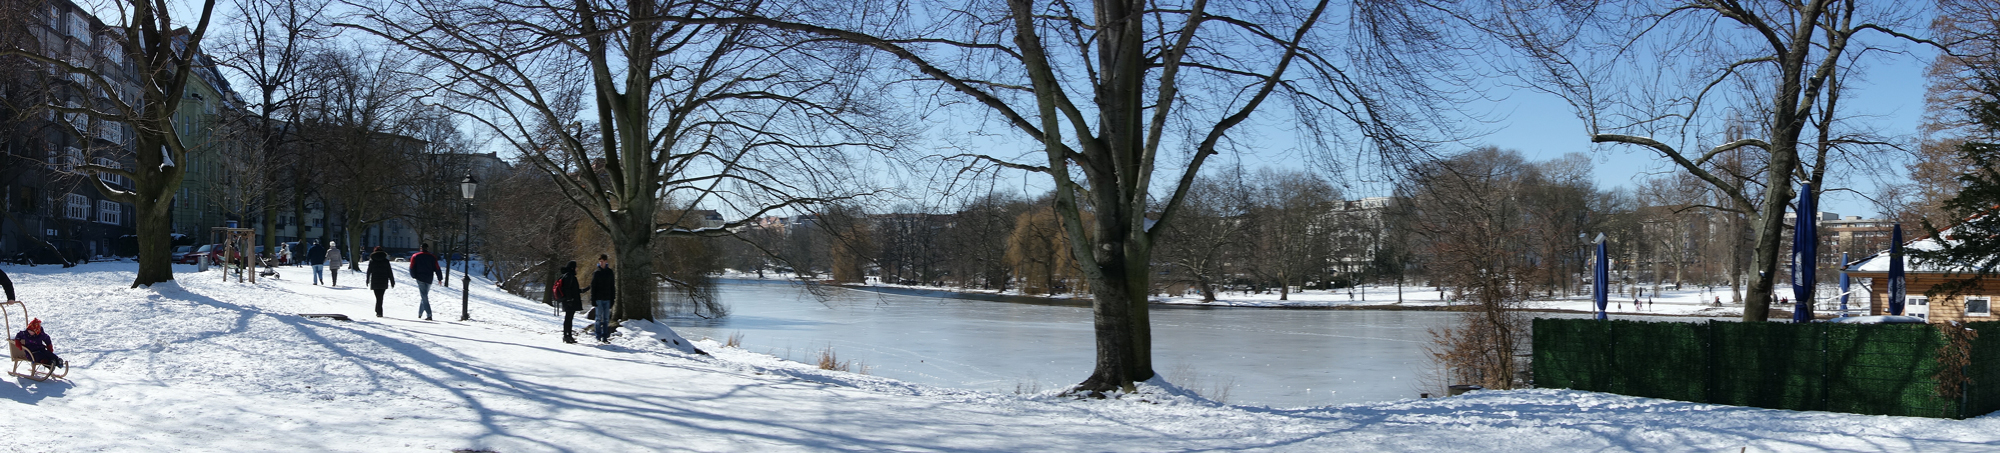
(237,252)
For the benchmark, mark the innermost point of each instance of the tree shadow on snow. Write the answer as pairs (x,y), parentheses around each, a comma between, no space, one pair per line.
(492,398)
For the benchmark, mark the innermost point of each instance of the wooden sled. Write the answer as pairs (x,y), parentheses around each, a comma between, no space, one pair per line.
(36,371)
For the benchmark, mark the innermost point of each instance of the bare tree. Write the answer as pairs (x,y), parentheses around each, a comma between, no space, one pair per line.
(360,109)
(269,42)
(161,53)
(1213,232)
(1038,252)
(1973,30)
(1290,229)
(1468,211)
(1103,87)
(1785,61)
(522,247)
(976,241)
(623,109)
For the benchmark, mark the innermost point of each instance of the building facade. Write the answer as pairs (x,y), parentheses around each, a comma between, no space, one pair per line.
(55,123)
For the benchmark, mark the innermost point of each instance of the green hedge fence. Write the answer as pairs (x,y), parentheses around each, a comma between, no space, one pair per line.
(1876,369)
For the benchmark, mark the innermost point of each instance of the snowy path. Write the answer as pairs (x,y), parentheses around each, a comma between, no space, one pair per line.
(209,366)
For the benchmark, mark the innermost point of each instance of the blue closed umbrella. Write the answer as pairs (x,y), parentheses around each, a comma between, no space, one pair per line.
(1805,247)
(1896,290)
(1598,289)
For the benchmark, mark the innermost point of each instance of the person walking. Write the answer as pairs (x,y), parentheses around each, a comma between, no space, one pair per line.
(316,256)
(423,268)
(571,297)
(334,260)
(381,277)
(603,289)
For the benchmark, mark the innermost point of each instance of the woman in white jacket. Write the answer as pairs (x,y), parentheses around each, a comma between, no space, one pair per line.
(333,260)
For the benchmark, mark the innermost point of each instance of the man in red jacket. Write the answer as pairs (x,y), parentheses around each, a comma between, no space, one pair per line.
(424,267)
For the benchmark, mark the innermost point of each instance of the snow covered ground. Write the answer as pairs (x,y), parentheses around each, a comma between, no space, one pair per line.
(204,365)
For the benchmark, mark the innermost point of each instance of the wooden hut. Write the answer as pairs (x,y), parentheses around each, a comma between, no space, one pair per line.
(1970,304)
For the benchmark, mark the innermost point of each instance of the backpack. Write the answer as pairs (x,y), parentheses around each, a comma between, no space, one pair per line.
(557,290)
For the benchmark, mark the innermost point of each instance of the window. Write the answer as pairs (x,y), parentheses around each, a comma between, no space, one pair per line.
(110,132)
(108,212)
(68,160)
(79,28)
(79,207)
(1978,306)
(114,52)
(108,178)
(75,120)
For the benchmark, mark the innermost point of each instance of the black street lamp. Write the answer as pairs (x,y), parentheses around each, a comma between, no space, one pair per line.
(466,188)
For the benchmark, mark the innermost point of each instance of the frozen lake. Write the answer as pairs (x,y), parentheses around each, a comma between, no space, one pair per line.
(1273,357)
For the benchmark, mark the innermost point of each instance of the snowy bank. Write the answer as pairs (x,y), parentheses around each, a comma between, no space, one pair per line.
(204,365)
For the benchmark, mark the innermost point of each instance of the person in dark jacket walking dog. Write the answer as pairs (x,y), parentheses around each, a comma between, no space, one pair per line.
(603,289)
(381,277)
(424,266)
(571,297)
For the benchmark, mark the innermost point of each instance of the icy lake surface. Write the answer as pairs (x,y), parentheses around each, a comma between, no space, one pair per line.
(1275,357)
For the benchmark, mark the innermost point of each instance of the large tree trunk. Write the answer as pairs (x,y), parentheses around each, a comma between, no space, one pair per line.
(154,225)
(632,237)
(1770,226)
(270,228)
(355,252)
(1119,311)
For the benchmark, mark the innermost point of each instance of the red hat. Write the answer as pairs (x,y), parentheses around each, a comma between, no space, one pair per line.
(35,325)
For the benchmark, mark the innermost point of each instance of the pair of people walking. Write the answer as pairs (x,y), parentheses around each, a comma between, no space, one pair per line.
(322,256)
(423,268)
(603,291)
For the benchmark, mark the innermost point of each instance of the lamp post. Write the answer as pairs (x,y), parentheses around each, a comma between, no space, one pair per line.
(466,188)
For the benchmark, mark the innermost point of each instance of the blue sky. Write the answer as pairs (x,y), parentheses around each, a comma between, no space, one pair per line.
(1542,127)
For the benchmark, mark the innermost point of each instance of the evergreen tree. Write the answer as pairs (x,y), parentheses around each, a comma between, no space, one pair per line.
(1974,242)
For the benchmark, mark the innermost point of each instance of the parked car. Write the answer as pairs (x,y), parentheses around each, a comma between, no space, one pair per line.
(198,254)
(180,252)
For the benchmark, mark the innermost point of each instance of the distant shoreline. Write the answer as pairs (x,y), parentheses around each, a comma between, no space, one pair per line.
(1085,302)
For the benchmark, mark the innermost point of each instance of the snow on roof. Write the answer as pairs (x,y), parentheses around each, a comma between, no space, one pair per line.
(1879,262)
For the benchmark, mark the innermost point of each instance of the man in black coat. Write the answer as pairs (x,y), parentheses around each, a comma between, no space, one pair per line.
(316,256)
(381,276)
(571,296)
(603,289)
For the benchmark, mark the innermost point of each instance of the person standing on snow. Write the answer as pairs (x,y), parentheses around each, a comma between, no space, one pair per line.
(571,297)
(603,289)
(424,267)
(334,260)
(7,283)
(316,256)
(381,277)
